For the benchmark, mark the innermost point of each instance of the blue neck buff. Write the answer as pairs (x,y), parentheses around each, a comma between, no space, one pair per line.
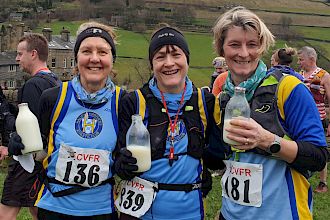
(103,95)
(172,100)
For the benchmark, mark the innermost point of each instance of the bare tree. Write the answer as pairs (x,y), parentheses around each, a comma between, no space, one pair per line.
(285,23)
(184,15)
(141,70)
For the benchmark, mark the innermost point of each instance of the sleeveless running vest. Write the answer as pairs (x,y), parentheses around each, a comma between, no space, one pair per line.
(313,82)
(154,115)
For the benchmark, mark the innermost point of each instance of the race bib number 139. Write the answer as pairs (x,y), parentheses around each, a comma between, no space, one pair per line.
(135,196)
(242,183)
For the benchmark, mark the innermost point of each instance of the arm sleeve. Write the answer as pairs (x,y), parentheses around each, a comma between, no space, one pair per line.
(309,157)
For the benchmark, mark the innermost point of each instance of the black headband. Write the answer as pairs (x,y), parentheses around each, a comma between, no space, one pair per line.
(167,36)
(95,32)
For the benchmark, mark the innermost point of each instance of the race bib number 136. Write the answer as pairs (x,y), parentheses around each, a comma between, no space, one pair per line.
(82,166)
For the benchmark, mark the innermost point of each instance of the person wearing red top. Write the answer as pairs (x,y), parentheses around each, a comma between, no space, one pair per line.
(219,82)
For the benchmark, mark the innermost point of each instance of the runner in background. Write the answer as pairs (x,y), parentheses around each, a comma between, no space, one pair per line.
(220,67)
(21,187)
(318,81)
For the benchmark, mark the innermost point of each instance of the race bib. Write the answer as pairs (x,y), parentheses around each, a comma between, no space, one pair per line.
(82,166)
(242,183)
(135,196)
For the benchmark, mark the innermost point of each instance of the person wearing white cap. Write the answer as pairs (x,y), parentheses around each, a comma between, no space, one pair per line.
(220,66)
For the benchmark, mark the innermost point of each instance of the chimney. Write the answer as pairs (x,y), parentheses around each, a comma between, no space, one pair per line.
(47,32)
(65,35)
(20,27)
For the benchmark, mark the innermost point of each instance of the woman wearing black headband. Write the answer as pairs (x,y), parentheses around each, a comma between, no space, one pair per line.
(80,118)
(178,116)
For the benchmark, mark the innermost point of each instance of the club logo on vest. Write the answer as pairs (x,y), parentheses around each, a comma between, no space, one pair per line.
(179,131)
(88,125)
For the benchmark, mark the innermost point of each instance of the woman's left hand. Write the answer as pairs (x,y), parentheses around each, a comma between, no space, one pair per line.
(250,134)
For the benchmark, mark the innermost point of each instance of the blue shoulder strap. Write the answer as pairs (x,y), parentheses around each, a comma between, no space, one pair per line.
(114,107)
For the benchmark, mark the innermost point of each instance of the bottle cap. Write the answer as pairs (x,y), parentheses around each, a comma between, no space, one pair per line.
(22,104)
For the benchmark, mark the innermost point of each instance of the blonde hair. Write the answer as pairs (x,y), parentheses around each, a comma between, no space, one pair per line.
(107,28)
(241,17)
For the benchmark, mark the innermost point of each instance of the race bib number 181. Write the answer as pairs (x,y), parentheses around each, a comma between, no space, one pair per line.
(242,183)
(135,196)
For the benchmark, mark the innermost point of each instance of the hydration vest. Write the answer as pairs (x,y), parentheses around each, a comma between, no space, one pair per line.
(263,106)
(115,101)
(155,118)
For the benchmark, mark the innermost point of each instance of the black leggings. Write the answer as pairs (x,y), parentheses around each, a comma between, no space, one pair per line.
(44,214)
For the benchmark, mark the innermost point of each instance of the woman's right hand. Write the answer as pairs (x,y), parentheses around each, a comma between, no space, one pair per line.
(249,133)
(125,165)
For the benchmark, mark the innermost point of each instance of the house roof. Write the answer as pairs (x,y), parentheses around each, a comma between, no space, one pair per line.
(58,43)
(8,58)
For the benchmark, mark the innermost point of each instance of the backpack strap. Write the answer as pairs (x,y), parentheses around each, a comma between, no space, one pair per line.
(202,109)
(115,101)
(54,82)
(140,104)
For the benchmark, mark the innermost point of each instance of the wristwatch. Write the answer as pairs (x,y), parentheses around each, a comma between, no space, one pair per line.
(275,147)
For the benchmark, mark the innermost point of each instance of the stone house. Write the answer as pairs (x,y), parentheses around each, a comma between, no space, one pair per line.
(60,59)
(11,77)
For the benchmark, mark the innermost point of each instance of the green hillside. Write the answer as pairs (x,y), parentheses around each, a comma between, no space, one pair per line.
(309,25)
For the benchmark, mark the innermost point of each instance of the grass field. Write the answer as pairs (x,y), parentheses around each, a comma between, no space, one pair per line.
(321,205)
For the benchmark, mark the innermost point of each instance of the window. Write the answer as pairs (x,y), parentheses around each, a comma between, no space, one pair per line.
(53,62)
(12,68)
(72,62)
(64,63)
(11,84)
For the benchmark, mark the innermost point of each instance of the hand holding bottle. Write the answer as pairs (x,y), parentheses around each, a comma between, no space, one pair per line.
(15,145)
(249,134)
(27,127)
(125,165)
(138,143)
(236,108)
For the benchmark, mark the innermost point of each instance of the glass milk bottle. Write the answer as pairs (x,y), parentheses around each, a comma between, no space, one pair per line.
(27,128)
(138,142)
(236,107)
